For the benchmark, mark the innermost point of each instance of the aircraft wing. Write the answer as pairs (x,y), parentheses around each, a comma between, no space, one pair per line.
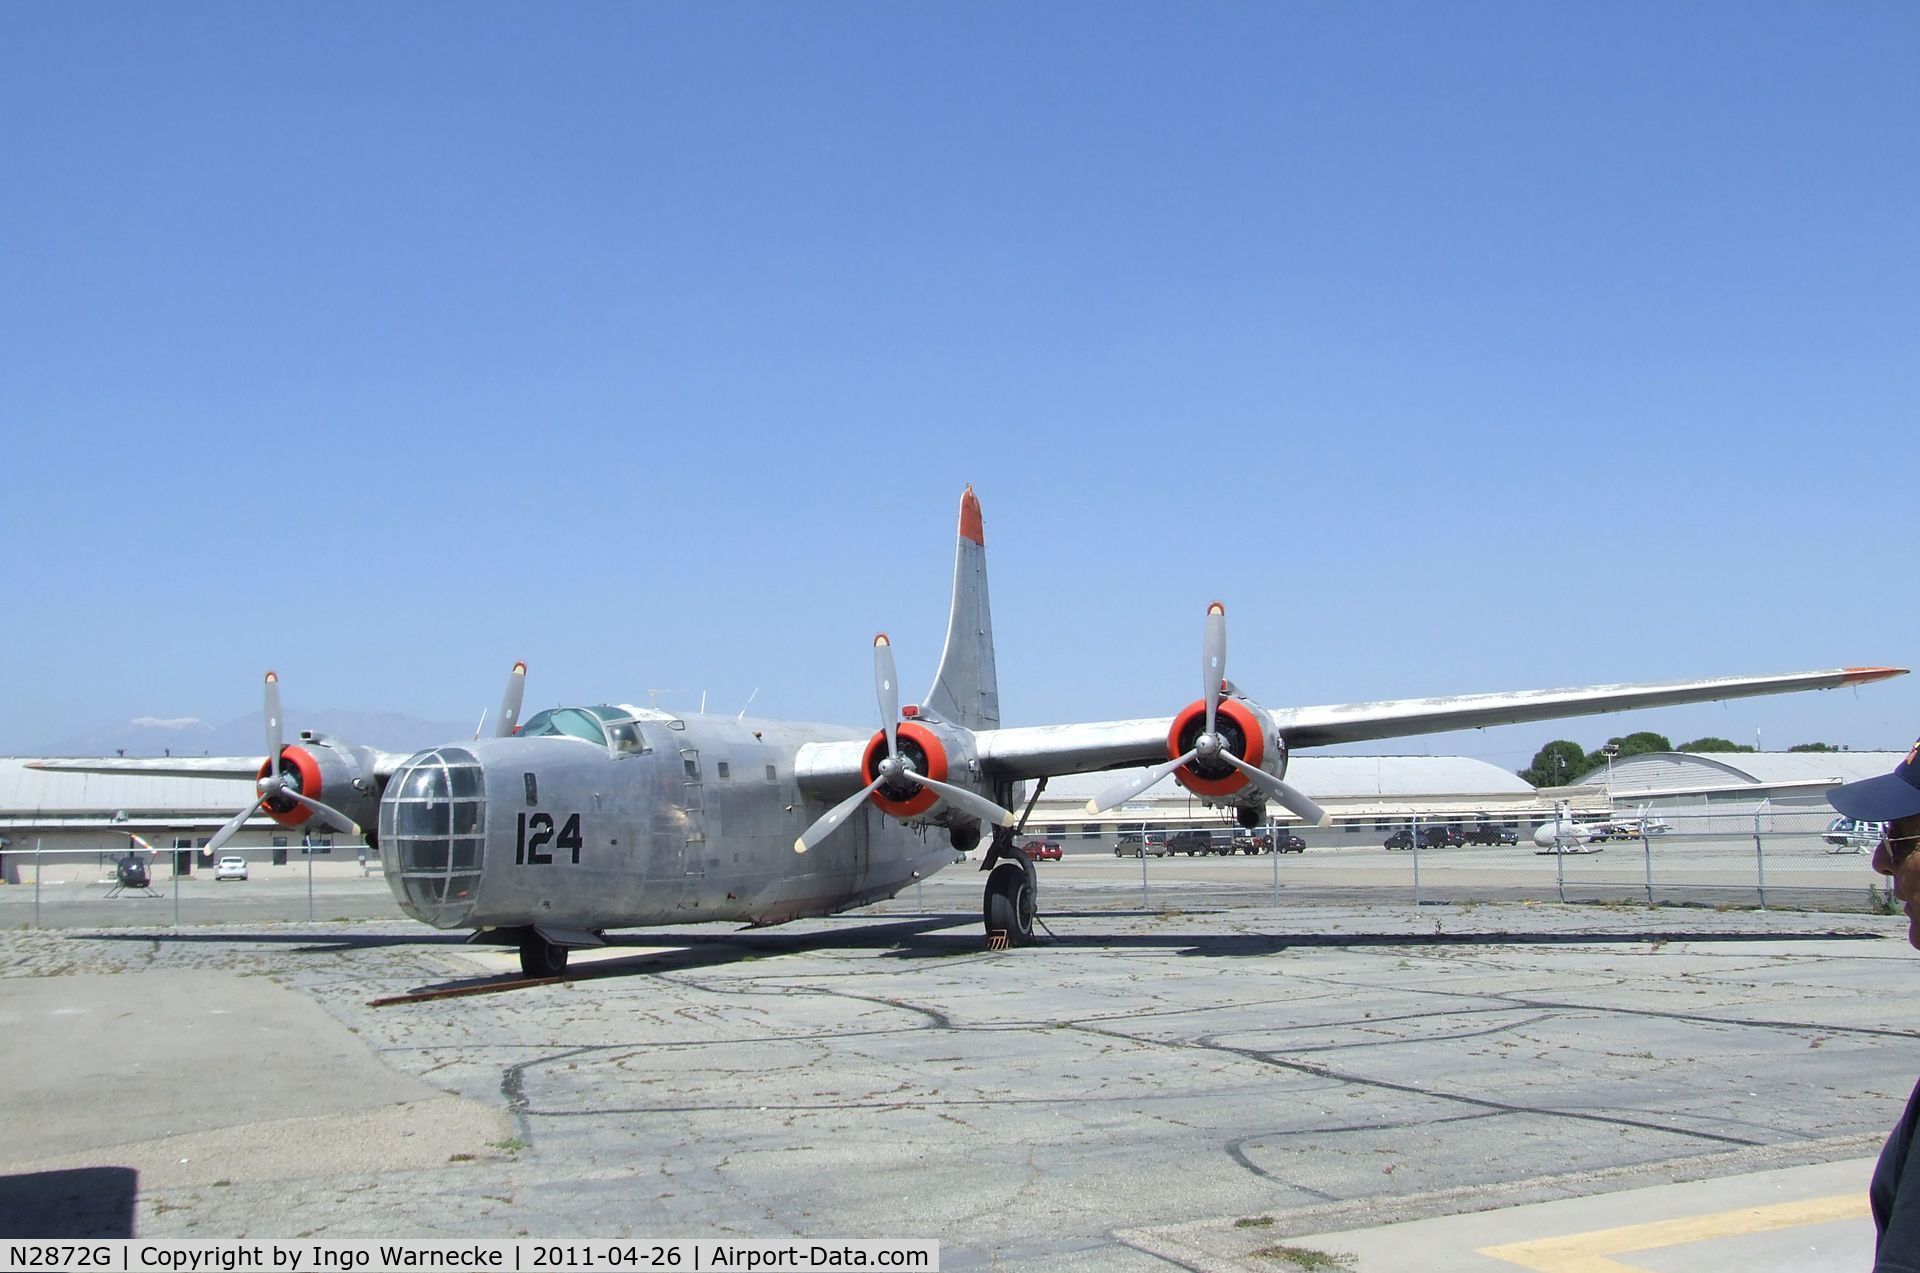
(1363,722)
(1050,750)
(384,764)
(157,767)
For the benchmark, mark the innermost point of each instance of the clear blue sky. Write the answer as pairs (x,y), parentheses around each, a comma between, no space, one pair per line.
(1456,347)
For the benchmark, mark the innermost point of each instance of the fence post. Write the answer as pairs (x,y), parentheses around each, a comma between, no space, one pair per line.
(1273,851)
(1416,859)
(1646,847)
(38,863)
(1760,854)
(1144,903)
(1562,819)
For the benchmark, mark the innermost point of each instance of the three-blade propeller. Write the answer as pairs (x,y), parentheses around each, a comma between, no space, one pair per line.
(1211,745)
(275,785)
(895,767)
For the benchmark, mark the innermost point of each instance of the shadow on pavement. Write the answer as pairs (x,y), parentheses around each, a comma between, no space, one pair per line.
(83,1202)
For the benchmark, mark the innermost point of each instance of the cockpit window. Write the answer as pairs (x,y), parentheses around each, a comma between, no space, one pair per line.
(611,727)
(565,722)
(623,735)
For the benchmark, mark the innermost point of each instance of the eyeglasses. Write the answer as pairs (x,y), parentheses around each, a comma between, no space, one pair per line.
(1899,847)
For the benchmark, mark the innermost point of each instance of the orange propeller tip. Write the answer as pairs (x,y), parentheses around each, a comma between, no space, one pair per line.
(273,677)
(1216,608)
(520,667)
(880,638)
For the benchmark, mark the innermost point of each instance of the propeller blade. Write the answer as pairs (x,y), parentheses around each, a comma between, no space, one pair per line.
(1214,659)
(228,831)
(886,688)
(332,817)
(833,818)
(509,718)
(978,805)
(273,726)
(1286,795)
(1124,791)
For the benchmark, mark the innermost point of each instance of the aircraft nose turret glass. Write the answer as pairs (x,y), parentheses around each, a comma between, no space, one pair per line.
(433,824)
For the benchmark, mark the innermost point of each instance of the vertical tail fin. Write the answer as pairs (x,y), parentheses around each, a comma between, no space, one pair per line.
(966,690)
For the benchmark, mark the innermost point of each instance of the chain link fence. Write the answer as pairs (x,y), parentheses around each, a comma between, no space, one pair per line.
(1704,856)
(1707,856)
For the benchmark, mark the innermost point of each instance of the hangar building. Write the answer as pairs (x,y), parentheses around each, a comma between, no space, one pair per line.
(1723,792)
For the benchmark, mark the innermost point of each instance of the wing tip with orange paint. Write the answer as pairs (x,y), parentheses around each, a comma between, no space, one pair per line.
(1864,675)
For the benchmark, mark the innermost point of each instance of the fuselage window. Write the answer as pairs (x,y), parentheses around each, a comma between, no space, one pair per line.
(723,768)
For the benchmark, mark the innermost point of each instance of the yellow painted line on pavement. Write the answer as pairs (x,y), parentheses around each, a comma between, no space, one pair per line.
(1591,1252)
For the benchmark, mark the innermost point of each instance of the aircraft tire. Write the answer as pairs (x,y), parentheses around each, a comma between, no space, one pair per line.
(1008,907)
(540,957)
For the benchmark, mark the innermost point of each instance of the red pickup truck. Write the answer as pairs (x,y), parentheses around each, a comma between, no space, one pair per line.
(1042,850)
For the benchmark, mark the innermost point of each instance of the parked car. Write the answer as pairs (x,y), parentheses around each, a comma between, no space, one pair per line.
(231,867)
(1128,845)
(1199,841)
(1432,837)
(1192,843)
(1042,850)
(1275,841)
(1488,833)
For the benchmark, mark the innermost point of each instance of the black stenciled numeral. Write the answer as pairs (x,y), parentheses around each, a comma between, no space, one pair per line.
(526,848)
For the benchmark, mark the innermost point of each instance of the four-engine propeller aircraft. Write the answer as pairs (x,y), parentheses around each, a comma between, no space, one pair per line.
(582,820)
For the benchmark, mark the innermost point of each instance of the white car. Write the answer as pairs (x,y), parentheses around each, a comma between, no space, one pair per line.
(230,868)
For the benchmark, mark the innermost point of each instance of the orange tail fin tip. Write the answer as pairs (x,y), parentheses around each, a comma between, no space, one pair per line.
(970,527)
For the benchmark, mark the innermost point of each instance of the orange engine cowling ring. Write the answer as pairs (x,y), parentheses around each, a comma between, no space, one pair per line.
(306,780)
(1240,729)
(920,745)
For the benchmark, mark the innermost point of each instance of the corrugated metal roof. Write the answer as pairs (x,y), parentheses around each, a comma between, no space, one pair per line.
(1653,770)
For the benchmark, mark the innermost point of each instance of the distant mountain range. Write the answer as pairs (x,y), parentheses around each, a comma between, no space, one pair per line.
(247,735)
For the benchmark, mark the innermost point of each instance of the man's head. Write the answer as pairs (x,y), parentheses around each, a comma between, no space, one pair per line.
(1895,800)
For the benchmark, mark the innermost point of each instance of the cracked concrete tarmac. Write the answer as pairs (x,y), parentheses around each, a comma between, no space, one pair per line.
(1059,1107)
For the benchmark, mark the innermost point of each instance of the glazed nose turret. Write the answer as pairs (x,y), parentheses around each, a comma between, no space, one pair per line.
(433,834)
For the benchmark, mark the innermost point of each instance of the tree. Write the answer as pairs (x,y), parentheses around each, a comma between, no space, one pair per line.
(1813,747)
(1713,744)
(1632,745)
(1556,764)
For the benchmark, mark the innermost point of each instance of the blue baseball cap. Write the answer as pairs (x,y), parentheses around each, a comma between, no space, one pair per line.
(1882,799)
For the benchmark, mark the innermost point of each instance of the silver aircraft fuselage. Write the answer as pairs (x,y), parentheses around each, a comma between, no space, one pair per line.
(663,821)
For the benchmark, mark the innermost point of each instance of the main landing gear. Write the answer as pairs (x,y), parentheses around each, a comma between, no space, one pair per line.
(1012,886)
(540,957)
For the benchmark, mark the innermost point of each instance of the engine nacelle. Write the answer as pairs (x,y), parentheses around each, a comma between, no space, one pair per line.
(936,750)
(1247,731)
(335,773)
